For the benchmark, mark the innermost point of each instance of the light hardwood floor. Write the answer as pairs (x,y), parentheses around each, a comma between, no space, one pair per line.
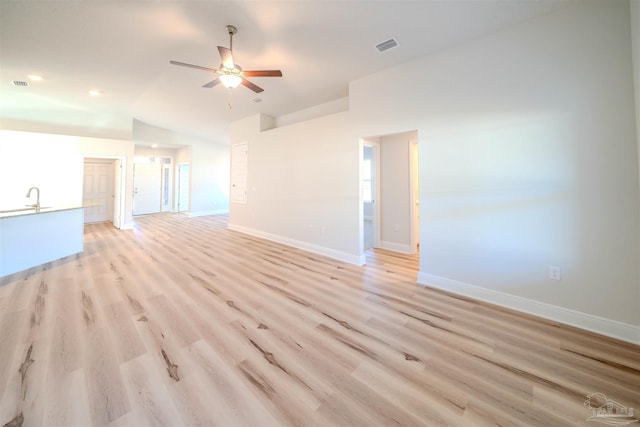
(183,322)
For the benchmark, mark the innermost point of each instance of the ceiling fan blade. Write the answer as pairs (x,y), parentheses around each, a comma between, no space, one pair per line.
(198,67)
(263,73)
(253,87)
(212,83)
(226,56)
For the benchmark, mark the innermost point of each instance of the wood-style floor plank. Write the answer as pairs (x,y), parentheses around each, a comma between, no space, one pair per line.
(181,321)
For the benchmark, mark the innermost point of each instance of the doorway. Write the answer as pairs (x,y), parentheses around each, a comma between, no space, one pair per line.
(390,216)
(183,187)
(102,189)
(370,210)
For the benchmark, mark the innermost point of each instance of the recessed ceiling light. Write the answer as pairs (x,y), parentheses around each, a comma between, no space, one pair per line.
(35,77)
(154,145)
(94,92)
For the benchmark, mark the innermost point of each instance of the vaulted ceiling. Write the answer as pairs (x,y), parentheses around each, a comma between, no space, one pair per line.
(122,50)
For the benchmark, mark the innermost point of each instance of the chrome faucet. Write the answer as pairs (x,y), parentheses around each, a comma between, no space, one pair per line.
(37,204)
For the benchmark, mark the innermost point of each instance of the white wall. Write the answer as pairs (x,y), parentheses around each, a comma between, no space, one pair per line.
(55,164)
(209,169)
(321,110)
(528,159)
(303,184)
(142,151)
(52,163)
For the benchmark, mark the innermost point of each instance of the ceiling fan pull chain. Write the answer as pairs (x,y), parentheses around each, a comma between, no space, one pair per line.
(229,103)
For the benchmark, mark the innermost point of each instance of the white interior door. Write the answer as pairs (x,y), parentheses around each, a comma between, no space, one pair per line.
(98,190)
(147,188)
(183,187)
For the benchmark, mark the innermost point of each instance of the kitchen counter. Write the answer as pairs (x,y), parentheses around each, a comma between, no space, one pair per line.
(29,238)
(32,211)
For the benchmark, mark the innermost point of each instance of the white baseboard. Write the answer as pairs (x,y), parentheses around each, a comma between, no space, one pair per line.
(127,226)
(310,247)
(397,247)
(611,328)
(204,213)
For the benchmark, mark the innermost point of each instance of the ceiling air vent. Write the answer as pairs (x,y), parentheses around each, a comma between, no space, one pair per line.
(20,83)
(387,44)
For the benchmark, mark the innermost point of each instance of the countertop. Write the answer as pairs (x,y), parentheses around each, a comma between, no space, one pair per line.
(9,213)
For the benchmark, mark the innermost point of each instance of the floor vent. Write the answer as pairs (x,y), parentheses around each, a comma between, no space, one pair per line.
(20,83)
(387,44)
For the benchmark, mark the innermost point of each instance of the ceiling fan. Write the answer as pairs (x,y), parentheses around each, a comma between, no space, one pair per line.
(231,74)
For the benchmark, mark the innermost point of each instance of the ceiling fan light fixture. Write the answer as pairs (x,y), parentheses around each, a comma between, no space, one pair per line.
(231,81)
(231,75)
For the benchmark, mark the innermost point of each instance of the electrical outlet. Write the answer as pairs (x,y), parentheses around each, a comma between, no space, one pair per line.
(555,273)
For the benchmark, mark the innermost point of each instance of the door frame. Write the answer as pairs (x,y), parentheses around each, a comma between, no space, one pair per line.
(119,185)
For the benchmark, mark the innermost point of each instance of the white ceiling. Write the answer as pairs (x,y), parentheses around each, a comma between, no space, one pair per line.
(123,48)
